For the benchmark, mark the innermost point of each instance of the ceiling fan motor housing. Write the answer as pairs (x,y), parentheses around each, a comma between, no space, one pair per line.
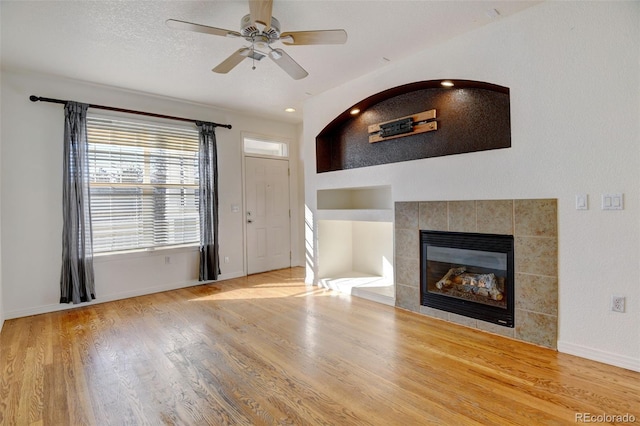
(251,32)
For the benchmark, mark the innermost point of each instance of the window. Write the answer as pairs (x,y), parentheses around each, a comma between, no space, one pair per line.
(143,184)
(265,147)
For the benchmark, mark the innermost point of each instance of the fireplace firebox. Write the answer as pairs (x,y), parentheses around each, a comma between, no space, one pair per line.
(468,274)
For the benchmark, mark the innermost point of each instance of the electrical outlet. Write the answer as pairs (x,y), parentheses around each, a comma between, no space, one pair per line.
(226,259)
(167,260)
(617,303)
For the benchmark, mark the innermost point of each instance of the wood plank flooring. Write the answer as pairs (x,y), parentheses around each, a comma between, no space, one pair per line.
(267,349)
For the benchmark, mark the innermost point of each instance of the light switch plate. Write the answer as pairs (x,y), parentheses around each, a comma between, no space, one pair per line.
(612,202)
(582,202)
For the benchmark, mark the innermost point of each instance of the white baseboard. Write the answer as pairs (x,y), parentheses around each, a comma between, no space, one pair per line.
(37,310)
(600,356)
(373,296)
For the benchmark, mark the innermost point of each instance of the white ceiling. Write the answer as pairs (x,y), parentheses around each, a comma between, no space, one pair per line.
(126,44)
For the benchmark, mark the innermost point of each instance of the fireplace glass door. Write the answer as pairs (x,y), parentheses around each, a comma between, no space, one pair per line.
(468,274)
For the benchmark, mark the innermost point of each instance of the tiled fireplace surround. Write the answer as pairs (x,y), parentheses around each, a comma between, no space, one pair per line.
(533,223)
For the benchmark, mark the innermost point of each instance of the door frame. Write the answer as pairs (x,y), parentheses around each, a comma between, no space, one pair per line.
(292,189)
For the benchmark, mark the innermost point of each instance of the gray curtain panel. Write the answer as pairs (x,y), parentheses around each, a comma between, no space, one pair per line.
(76,278)
(209,257)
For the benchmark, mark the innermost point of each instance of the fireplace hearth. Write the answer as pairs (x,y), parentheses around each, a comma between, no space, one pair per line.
(468,274)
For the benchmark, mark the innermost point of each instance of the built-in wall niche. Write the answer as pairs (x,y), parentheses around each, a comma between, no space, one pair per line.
(356,257)
(469,116)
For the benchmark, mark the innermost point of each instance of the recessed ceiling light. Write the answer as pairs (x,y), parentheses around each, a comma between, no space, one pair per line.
(447,83)
(290,109)
(354,111)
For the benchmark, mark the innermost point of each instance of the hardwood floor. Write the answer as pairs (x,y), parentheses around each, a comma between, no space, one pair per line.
(269,350)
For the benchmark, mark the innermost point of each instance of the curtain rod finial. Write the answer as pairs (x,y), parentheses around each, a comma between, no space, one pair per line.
(33,98)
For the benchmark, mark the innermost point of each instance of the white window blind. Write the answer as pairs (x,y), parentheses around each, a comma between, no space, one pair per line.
(143,184)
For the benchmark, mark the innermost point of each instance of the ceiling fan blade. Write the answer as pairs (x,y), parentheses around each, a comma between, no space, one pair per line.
(314,37)
(233,60)
(189,26)
(260,11)
(287,63)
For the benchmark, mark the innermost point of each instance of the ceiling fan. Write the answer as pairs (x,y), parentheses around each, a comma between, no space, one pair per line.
(261,29)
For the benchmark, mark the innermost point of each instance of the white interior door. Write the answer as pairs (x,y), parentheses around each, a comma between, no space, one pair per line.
(267,214)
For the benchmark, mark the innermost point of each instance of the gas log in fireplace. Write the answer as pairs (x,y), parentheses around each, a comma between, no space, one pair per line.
(468,274)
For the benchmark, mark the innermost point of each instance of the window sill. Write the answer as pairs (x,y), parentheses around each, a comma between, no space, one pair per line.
(144,253)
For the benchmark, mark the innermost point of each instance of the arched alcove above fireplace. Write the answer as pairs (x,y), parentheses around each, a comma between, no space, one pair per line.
(421,120)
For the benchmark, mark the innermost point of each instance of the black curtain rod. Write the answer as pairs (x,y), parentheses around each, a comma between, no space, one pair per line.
(148,114)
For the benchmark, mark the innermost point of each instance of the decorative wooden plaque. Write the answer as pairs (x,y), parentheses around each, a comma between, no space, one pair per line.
(405,126)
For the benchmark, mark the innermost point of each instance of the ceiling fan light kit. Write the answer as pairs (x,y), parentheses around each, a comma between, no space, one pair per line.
(275,54)
(261,29)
